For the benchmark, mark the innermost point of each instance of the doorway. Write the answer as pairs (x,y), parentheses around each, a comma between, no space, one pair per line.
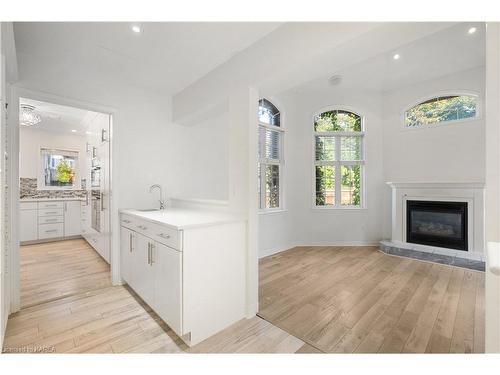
(63,200)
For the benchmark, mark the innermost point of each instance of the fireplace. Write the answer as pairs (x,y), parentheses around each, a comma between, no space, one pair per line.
(436,223)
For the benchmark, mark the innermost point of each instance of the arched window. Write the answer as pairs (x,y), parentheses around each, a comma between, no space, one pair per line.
(270,168)
(339,159)
(441,109)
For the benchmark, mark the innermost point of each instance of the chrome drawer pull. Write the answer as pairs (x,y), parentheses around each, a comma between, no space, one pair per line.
(166,236)
(49,213)
(126,221)
(142,227)
(50,231)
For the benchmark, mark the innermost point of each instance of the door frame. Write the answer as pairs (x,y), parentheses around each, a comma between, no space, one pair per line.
(13,123)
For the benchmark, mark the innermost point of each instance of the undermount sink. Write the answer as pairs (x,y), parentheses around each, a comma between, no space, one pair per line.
(149,210)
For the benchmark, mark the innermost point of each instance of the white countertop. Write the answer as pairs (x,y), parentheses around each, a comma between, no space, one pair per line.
(184,218)
(49,199)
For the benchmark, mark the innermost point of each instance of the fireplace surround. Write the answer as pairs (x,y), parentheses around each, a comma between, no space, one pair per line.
(469,198)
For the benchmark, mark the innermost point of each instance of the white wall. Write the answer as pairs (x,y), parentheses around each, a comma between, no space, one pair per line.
(301,224)
(200,156)
(449,153)
(492,196)
(30,142)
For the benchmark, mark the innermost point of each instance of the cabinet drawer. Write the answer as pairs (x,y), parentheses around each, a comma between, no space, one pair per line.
(50,211)
(28,205)
(164,235)
(50,230)
(129,222)
(50,205)
(50,219)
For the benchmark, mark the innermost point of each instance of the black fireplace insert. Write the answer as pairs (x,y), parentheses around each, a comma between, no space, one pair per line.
(436,223)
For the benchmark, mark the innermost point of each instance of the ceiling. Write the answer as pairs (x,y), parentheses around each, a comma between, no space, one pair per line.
(164,57)
(60,118)
(445,52)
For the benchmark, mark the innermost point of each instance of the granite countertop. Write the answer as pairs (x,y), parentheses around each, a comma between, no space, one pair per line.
(183,218)
(50,199)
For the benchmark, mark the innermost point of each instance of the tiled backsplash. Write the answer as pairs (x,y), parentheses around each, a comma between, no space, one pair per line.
(28,190)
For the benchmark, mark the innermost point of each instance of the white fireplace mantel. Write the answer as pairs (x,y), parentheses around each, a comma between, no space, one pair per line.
(436,185)
(470,192)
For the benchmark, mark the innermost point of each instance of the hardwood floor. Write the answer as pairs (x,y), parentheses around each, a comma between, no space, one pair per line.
(313,300)
(76,310)
(357,299)
(56,269)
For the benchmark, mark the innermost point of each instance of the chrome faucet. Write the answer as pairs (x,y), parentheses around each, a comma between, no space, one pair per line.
(162,202)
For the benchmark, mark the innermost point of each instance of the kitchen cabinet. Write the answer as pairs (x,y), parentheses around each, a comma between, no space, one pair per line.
(167,263)
(127,241)
(192,277)
(28,230)
(49,220)
(72,218)
(142,280)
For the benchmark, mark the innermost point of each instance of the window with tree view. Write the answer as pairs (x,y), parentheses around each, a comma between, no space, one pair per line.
(59,169)
(339,160)
(441,109)
(270,166)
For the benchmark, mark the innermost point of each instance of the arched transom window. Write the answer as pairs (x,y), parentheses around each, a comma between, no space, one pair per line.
(339,159)
(441,109)
(270,168)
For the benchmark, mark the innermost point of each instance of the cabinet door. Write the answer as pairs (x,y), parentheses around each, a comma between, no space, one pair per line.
(29,225)
(72,218)
(142,275)
(167,263)
(127,239)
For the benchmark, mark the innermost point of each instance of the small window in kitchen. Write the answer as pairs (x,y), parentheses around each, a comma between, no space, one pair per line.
(59,169)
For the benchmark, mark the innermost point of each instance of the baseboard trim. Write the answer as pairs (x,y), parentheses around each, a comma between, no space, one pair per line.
(280,249)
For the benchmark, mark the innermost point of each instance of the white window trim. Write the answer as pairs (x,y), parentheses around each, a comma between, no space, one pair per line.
(337,162)
(40,185)
(438,94)
(281,163)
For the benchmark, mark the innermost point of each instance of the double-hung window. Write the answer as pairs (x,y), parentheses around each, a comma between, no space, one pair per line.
(270,168)
(338,159)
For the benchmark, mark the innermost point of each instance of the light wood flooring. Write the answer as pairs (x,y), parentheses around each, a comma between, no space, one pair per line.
(69,306)
(56,269)
(357,299)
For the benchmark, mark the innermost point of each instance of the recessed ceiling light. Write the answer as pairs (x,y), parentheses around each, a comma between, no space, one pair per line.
(396,56)
(472,30)
(73,131)
(136,29)
(88,133)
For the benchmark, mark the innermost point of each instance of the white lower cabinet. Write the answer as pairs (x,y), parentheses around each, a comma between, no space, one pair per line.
(193,278)
(167,263)
(127,240)
(72,218)
(143,280)
(154,272)
(46,220)
(28,230)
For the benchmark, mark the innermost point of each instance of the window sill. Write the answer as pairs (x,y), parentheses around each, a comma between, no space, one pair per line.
(316,208)
(277,211)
